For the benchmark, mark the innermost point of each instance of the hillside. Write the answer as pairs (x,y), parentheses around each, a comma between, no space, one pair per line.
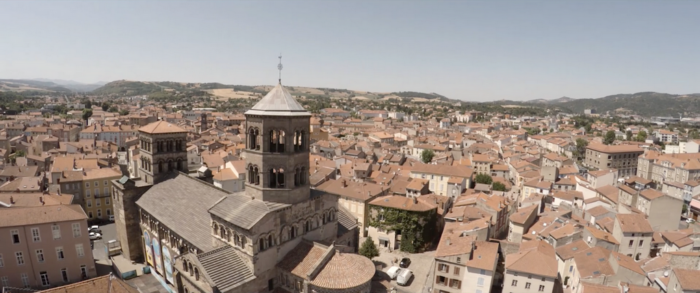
(644,103)
(31,86)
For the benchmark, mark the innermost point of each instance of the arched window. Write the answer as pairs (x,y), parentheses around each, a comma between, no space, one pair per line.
(273,179)
(302,176)
(160,167)
(307,226)
(215,228)
(222,232)
(297,175)
(293,232)
(196,274)
(184,265)
(280,178)
(274,140)
(191,270)
(261,243)
(270,241)
(280,142)
(237,240)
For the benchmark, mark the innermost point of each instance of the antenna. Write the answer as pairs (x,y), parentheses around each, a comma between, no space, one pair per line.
(279,67)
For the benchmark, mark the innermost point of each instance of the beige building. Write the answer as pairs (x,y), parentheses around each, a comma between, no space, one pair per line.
(440,176)
(97,192)
(669,167)
(521,221)
(464,263)
(634,234)
(620,157)
(532,269)
(684,281)
(44,246)
(354,197)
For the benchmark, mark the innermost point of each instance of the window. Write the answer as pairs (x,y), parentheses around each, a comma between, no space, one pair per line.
(44,279)
(59,253)
(64,275)
(106,198)
(40,255)
(631,243)
(79,250)
(5,281)
(97,201)
(97,192)
(440,280)
(25,280)
(56,231)
(480,282)
(527,285)
(456,284)
(76,230)
(483,272)
(20,258)
(571,268)
(444,268)
(456,270)
(87,184)
(35,235)
(89,203)
(15,236)
(83,272)
(541,288)
(87,193)
(514,283)
(478,291)
(2,263)
(99,213)
(97,184)
(90,215)
(641,243)
(270,284)
(106,182)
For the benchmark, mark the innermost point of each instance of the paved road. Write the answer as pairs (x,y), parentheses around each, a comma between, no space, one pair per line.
(102,262)
(421,266)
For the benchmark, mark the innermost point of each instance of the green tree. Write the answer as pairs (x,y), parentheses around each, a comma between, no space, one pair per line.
(498,186)
(105,106)
(609,137)
(642,135)
(483,178)
(113,109)
(693,134)
(124,112)
(427,155)
(581,145)
(87,113)
(369,249)
(629,135)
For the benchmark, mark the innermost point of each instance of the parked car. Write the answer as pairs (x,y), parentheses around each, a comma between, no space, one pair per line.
(689,221)
(111,218)
(393,272)
(404,277)
(93,227)
(95,236)
(405,262)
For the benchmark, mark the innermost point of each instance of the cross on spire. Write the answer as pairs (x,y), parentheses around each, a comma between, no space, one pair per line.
(279,67)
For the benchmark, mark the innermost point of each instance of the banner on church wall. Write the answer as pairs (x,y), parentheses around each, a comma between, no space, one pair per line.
(148,248)
(157,259)
(167,262)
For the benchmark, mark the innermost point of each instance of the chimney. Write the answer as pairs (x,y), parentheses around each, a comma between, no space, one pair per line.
(12,199)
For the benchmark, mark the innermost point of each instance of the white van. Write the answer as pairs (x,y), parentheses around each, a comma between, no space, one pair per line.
(393,272)
(404,277)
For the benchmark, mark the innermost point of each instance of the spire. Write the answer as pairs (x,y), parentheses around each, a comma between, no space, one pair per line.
(279,67)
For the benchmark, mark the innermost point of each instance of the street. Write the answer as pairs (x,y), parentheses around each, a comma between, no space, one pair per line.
(99,251)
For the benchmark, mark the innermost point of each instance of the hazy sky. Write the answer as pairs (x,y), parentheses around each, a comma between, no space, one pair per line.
(484,50)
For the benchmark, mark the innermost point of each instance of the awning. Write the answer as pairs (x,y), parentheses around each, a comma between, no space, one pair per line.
(383,239)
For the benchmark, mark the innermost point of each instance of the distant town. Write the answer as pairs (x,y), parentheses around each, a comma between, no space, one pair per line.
(182,187)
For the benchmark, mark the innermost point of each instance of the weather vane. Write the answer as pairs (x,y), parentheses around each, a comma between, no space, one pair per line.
(279,67)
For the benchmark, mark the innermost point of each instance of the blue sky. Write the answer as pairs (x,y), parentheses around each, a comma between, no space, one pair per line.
(479,51)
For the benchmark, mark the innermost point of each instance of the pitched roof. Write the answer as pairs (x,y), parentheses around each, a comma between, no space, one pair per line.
(106,283)
(634,223)
(278,102)
(161,127)
(181,204)
(535,257)
(21,216)
(242,210)
(225,268)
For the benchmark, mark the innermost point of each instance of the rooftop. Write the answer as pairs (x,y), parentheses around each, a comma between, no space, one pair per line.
(278,102)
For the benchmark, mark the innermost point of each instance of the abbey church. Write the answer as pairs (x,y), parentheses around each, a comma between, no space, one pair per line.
(278,235)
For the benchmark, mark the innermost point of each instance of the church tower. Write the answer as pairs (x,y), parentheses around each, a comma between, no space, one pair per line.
(277,148)
(163,151)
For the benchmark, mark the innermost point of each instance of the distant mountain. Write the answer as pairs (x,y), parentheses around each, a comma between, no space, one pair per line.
(554,101)
(644,103)
(33,86)
(74,85)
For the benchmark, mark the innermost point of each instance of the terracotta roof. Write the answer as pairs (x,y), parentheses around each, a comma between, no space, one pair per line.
(402,203)
(535,257)
(41,214)
(593,263)
(610,192)
(610,149)
(651,194)
(161,127)
(634,223)
(601,235)
(107,283)
(569,250)
(458,171)
(523,214)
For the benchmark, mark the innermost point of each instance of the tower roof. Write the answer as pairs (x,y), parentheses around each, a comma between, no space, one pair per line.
(278,102)
(161,127)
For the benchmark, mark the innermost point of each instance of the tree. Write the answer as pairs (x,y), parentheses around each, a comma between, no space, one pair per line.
(483,178)
(124,112)
(609,137)
(642,135)
(105,106)
(427,155)
(369,249)
(629,135)
(693,134)
(87,113)
(581,145)
(498,186)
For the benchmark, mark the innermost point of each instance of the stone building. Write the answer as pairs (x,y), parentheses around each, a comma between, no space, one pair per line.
(275,235)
